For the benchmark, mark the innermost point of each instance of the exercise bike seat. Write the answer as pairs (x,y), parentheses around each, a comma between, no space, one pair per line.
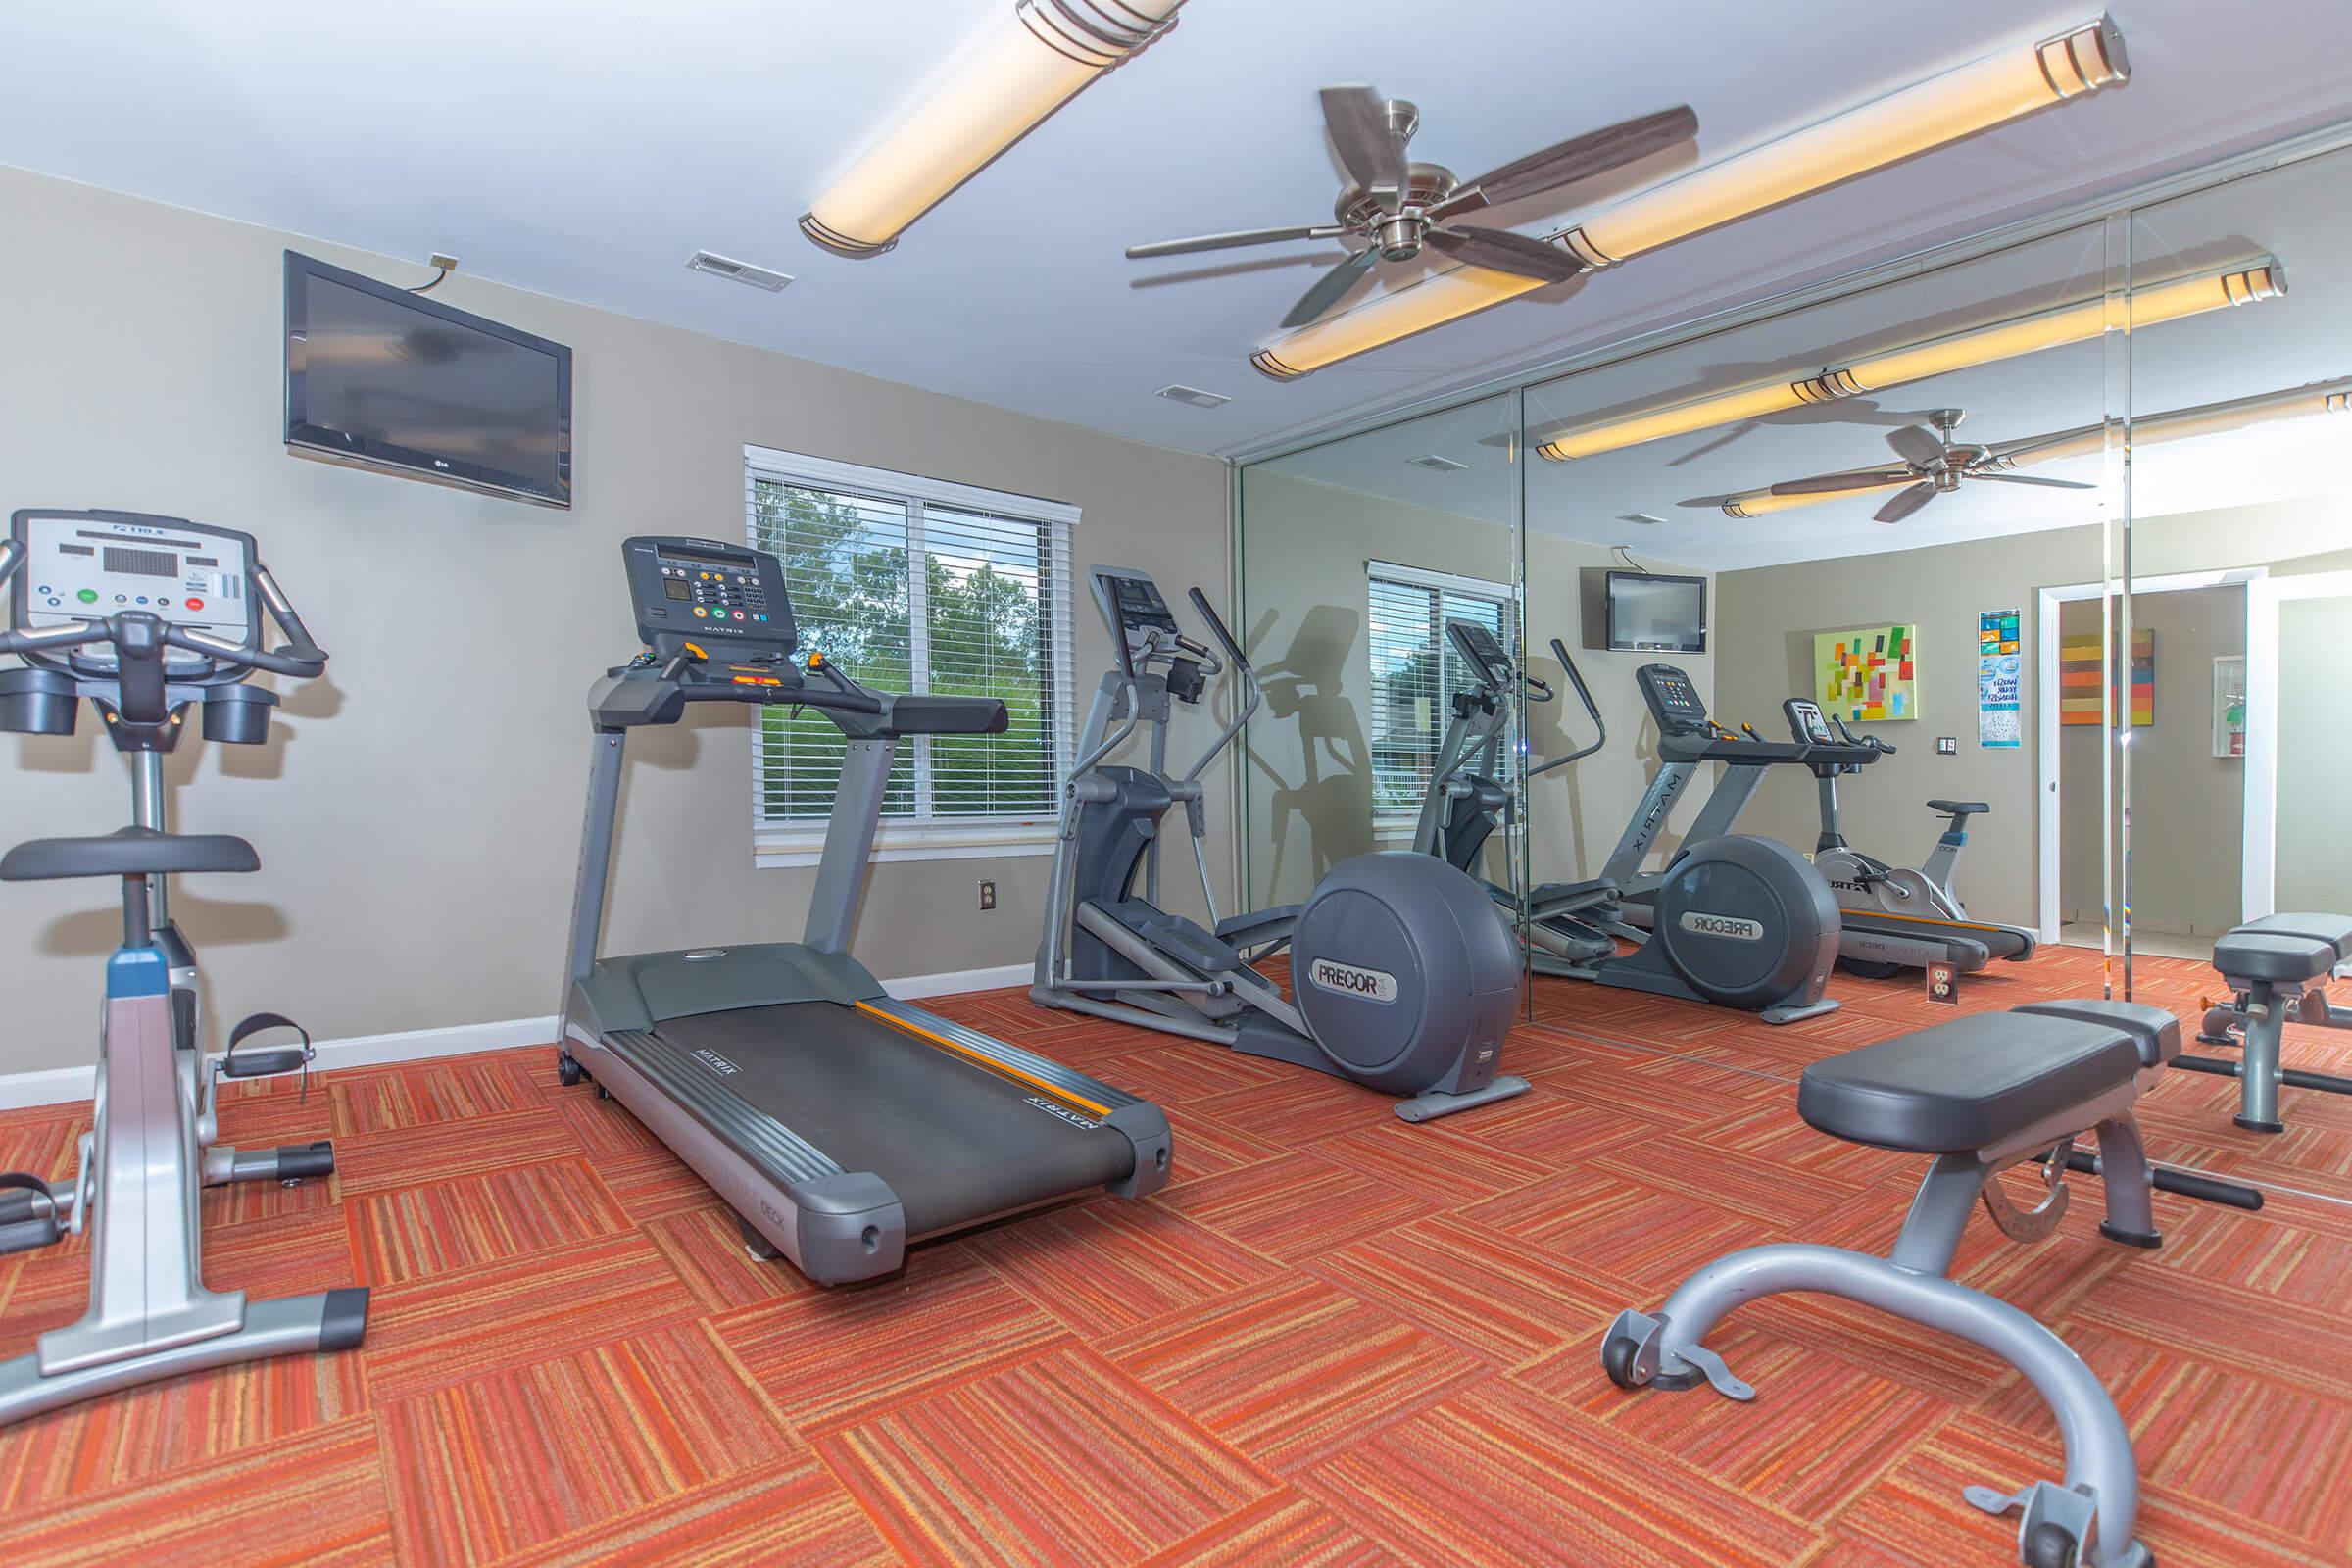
(2278,958)
(127,852)
(1959,808)
(1968,1085)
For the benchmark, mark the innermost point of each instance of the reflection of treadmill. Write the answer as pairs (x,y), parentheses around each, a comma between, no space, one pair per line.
(839,1124)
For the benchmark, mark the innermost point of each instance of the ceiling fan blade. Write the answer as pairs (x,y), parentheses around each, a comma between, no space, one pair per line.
(1905,503)
(1831,484)
(1358,121)
(1330,287)
(1501,251)
(1244,237)
(1916,445)
(1578,157)
(2028,478)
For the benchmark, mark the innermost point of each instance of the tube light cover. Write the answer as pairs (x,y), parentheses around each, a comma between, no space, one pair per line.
(1999,87)
(1027,61)
(2242,284)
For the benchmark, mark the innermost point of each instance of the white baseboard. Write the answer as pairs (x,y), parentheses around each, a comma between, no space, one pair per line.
(57,1086)
(909,987)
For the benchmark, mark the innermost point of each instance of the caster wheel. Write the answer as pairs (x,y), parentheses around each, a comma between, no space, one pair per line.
(568,1072)
(602,1093)
(1617,1355)
(2051,1545)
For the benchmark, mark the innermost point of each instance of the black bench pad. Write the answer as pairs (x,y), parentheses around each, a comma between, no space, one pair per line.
(2335,930)
(2156,1031)
(127,852)
(2243,955)
(1961,1086)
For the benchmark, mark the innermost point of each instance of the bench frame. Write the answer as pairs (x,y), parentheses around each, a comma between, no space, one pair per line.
(2088,1518)
(2256,1023)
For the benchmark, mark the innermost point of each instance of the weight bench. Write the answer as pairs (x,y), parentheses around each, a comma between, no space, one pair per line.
(1979,1095)
(2280,967)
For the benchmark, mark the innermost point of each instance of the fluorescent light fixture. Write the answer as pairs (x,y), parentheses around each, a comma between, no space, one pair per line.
(2149,305)
(2087,440)
(1991,91)
(1027,61)
(728,267)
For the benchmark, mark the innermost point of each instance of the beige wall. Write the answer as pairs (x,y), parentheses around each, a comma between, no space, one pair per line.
(418,815)
(2315,756)
(1766,619)
(2187,804)
(1304,546)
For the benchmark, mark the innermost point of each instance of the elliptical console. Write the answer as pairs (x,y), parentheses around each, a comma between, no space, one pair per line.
(1402,979)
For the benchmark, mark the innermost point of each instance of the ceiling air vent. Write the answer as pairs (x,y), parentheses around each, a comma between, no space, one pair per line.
(1180,393)
(740,271)
(1437,464)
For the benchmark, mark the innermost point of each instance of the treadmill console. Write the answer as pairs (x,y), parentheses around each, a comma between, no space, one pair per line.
(711,594)
(1807,725)
(1485,655)
(84,565)
(1673,700)
(1134,610)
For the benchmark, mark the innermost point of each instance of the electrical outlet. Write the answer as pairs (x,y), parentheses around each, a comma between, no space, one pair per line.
(988,894)
(1948,746)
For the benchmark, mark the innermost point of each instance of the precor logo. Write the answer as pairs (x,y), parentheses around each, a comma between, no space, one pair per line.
(1734,926)
(1349,981)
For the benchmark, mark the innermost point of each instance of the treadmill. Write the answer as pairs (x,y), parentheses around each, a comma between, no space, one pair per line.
(839,1124)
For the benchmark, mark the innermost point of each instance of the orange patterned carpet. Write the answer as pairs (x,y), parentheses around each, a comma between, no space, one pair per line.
(1336,1340)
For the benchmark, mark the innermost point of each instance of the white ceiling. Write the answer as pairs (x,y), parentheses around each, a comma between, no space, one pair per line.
(2301,214)
(583,150)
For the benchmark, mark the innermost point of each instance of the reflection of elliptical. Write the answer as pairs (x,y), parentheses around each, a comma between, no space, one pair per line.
(1402,979)
(1739,922)
(1896,918)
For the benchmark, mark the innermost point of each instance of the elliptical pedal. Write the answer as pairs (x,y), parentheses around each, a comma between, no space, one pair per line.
(28,1212)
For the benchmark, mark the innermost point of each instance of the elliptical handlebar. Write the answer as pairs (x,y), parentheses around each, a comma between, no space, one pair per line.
(1584,695)
(1251,695)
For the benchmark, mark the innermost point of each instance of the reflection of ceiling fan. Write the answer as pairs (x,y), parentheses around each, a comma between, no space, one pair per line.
(1395,206)
(1933,462)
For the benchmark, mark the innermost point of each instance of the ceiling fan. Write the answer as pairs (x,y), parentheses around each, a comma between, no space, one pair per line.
(1395,206)
(1934,463)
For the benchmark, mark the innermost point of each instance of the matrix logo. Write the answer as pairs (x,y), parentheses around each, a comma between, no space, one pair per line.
(716,1064)
(1064,1112)
(1349,981)
(1733,926)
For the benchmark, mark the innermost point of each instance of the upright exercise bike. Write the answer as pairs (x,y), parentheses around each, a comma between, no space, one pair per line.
(145,617)
(1894,917)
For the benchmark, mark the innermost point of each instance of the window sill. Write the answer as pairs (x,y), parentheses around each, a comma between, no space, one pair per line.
(780,848)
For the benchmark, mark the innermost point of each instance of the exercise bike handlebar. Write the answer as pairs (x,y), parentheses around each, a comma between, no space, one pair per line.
(144,635)
(1584,695)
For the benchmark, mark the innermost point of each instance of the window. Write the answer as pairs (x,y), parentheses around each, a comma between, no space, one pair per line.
(1415,673)
(917,585)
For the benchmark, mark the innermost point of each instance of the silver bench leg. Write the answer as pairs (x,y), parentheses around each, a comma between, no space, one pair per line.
(2258,1070)
(2098,1503)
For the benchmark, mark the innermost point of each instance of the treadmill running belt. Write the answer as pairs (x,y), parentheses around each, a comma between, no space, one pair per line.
(955,1141)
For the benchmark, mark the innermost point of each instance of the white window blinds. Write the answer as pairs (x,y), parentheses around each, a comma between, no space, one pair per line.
(1415,673)
(915,585)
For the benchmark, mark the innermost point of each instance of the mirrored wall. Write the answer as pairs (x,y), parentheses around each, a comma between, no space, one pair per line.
(2053,529)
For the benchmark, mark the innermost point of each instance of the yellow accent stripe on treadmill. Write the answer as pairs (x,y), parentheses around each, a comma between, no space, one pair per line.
(999,1068)
(1927,919)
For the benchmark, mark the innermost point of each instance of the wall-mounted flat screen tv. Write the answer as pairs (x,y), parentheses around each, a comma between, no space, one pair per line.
(1656,614)
(383,378)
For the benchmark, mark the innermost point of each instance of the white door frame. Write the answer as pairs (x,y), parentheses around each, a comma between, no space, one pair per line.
(2263,600)
(2259,715)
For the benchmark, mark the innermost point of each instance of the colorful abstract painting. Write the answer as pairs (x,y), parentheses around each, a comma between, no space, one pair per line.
(1868,675)
(2078,701)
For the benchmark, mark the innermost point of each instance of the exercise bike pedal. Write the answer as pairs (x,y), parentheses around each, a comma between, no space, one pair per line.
(27,1214)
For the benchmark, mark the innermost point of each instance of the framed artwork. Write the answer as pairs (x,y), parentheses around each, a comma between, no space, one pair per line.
(2229,706)
(1868,675)
(2078,662)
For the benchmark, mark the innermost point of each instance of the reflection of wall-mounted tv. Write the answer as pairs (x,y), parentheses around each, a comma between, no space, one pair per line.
(1658,614)
(383,378)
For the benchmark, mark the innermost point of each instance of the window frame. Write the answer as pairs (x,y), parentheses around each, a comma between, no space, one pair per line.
(928,838)
(1396,824)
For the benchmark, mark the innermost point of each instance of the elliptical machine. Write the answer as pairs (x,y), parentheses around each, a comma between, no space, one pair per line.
(198,593)
(1894,917)
(1402,979)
